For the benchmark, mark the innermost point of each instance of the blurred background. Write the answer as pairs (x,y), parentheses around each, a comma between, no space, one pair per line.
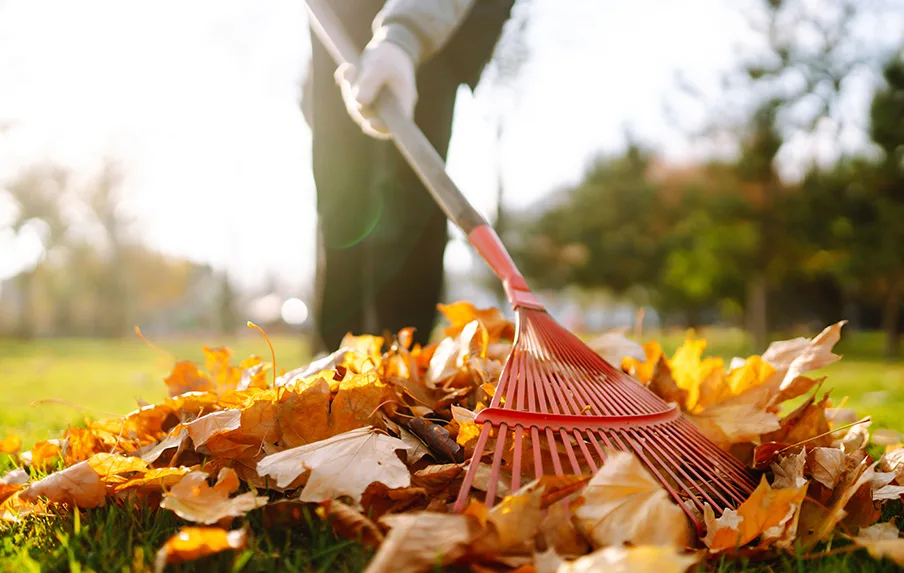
(733,166)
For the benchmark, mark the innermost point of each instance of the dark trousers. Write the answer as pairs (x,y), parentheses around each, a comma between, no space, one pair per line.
(381,237)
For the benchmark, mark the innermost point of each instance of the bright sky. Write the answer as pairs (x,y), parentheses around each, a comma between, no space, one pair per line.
(200,100)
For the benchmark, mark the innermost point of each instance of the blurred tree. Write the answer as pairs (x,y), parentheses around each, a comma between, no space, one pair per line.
(37,194)
(604,232)
(886,236)
(796,82)
(103,198)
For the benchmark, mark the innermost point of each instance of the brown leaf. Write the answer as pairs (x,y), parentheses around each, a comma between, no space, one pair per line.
(805,422)
(765,454)
(559,531)
(789,473)
(438,440)
(624,504)
(195,542)
(152,452)
(614,347)
(352,524)
(791,358)
(826,465)
(303,412)
(193,500)
(418,542)
(732,422)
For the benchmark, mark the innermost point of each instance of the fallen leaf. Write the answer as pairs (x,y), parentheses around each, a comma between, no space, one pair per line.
(352,524)
(614,347)
(765,509)
(195,542)
(417,449)
(213,424)
(152,452)
(462,313)
(303,412)
(882,540)
(624,504)
(193,500)
(158,479)
(797,356)
(663,384)
(187,377)
(805,422)
(734,423)
(559,531)
(437,438)
(641,559)
(12,482)
(893,462)
(342,465)
(43,454)
(826,465)
(10,444)
(326,363)
(419,542)
(789,473)
(79,485)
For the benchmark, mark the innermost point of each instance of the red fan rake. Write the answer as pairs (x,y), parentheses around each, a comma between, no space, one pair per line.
(558,407)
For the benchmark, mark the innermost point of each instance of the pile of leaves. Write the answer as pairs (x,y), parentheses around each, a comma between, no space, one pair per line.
(376,438)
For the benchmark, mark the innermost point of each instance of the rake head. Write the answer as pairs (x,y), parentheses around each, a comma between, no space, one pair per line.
(559,407)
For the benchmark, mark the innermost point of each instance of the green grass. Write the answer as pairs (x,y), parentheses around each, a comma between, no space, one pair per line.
(107,377)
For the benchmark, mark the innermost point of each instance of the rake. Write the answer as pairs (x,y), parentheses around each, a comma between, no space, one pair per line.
(558,406)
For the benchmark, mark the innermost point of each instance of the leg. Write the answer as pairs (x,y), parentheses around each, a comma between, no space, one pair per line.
(343,166)
(411,237)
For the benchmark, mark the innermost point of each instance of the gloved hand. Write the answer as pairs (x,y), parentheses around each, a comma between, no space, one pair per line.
(383,64)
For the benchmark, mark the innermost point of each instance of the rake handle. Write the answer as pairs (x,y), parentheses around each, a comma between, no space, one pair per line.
(426,162)
(408,137)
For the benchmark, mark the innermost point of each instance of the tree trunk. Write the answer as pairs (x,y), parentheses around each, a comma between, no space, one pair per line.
(891,312)
(25,329)
(757,319)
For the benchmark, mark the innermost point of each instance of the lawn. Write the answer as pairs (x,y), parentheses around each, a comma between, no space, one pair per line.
(49,384)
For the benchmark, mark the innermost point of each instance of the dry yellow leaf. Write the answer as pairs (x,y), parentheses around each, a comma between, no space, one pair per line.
(461,313)
(766,509)
(10,444)
(12,482)
(213,424)
(303,412)
(642,371)
(158,479)
(624,504)
(195,542)
(192,499)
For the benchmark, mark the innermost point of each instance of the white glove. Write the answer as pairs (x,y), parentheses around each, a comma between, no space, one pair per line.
(383,64)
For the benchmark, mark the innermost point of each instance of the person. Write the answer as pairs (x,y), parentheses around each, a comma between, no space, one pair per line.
(381,238)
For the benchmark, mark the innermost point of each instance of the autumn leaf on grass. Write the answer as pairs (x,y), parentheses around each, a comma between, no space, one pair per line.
(641,559)
(461,313)
(421,541)
(195,542)
(10,444)
(43,454)
(12,482)
(14,509)
(207,426)
(343,465)
(624,504)
(174,439)
(791,358)
(79,485)
(882,540)
(642,370)
(192,499)
(766,512)
(804,423)
(351,523)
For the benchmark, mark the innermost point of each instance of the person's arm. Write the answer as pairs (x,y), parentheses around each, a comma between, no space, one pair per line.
(420,27)
(405,34)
